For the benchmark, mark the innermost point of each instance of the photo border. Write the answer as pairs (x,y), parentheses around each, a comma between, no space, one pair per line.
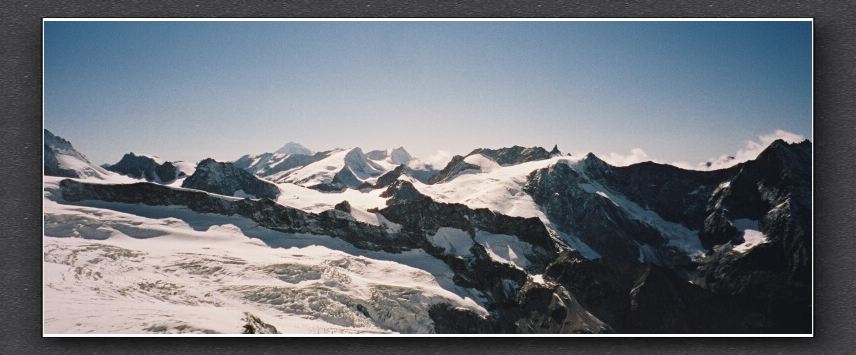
(833,168)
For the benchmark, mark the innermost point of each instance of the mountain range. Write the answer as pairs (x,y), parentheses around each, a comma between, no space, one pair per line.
(508,240)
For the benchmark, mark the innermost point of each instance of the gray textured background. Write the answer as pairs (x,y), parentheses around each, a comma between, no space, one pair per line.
(20,171)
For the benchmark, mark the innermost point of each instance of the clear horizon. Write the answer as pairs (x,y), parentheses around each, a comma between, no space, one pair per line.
(667,91)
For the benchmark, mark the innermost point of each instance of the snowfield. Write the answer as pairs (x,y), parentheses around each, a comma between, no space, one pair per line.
(498,188)
(310,200)
(122,268)
(752,236)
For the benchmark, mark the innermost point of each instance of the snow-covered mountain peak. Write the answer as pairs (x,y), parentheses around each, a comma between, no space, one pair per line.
(400,156)
(334,170)
(395,156)
(293,148)
(360,165)
(61,159)
(57,142)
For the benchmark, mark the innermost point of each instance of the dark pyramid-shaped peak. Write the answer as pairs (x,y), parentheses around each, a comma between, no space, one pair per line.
(555,151)
(145,167)
(226,179)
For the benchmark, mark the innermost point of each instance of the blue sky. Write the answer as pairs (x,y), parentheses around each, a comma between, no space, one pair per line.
(682,91)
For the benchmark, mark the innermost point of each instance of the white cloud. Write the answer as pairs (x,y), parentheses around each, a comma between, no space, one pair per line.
(636,155)
(438,160)
(750,150)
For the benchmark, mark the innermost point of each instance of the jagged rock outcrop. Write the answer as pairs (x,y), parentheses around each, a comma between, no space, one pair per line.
(145,167)
(226,179)
(514,155)
(254,325)
(386,179)
(343,206)
(552,309)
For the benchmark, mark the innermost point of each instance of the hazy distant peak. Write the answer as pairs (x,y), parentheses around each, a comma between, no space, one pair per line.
(293,148)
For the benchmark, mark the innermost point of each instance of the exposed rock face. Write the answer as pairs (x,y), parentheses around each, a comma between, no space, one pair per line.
(449,319)
(677,195)
(61,159)
(226,179)
(343,206)
(763,287)
(144,167)
(594,218)
(644,298)
(775,190)
(386,179)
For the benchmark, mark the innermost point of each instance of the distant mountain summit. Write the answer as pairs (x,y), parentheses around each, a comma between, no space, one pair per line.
(293,148)
(502,156)
(61,159)
(226,179)
(290,156)
(338,170)
(147,167)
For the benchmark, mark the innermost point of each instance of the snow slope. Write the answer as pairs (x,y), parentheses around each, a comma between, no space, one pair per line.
(122,268)
(503,248)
